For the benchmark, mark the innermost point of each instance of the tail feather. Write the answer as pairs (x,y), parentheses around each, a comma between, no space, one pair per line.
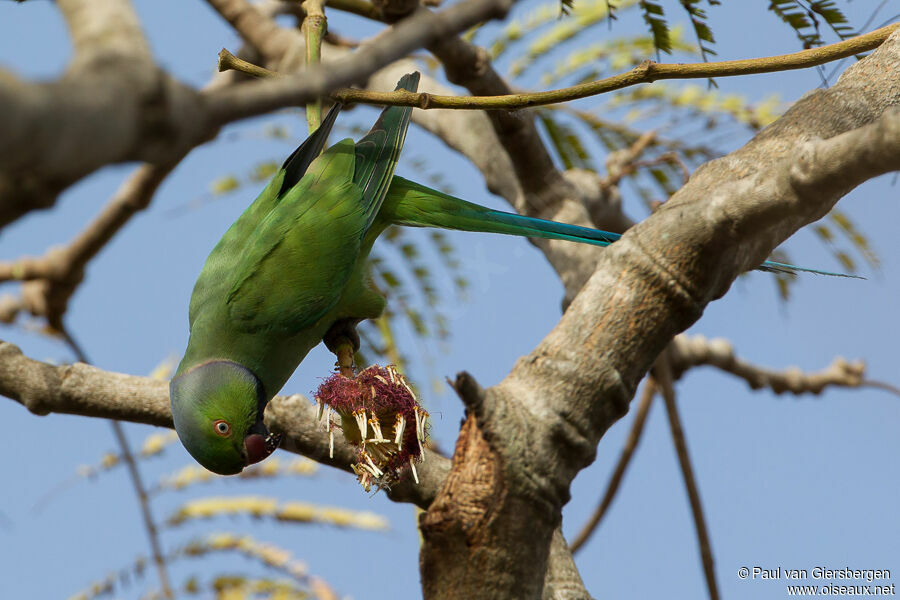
(298,162)
(414,205)
(771,266)
(378,152)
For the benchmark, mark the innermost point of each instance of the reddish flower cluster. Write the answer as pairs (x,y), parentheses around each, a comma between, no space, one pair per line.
(380,416)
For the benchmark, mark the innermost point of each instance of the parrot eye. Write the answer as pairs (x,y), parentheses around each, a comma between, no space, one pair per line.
(222,428)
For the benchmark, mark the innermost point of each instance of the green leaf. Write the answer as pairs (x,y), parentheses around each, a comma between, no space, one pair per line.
(583,16)
(655,17)
(566,143)
(805,19)
(701,29)
(223,185)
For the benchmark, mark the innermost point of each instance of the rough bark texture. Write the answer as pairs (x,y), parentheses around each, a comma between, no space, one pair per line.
(542,423)
(112,94)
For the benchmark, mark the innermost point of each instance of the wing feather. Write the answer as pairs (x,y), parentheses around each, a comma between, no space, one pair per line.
(303,252)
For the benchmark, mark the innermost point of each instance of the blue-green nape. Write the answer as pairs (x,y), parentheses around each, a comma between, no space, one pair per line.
(217,408)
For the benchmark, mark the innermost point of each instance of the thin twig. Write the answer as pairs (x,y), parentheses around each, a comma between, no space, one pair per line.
(634,436)
(230,62)
(149,525)
(314,26)
(647,72)
(139,489)
(881,385)
(663,374)
(692,351)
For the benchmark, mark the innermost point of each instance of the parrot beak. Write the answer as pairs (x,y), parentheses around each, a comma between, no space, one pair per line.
(260,443)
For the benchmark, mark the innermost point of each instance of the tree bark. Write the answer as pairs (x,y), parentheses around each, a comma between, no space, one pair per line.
(487,533)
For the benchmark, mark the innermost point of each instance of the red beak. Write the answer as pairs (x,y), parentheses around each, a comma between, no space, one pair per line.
(256,448)
(259,447)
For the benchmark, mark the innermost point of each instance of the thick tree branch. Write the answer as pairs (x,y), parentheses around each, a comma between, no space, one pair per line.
(80,389)
(106,27)
(634,436)
(422,28)
(541,424)
(563,582)
(114,95)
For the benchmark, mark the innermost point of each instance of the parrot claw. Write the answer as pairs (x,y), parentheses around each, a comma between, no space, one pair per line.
(273,440)
(341,331)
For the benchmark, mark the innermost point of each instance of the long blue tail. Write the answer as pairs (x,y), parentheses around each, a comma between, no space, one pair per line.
(416,205)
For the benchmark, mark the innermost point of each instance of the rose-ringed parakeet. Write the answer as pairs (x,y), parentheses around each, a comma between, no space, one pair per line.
(292,271)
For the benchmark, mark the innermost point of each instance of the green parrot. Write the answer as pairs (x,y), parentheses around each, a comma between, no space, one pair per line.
(291,272)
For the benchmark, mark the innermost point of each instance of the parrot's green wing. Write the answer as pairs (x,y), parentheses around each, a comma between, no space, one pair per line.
(378,152)
(216,278)
(306,249)
(291,274)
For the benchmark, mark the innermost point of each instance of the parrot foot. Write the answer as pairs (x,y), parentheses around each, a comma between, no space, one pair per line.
(341,332)
(343,340)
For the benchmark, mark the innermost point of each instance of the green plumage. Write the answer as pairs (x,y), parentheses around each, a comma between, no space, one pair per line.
(293,267)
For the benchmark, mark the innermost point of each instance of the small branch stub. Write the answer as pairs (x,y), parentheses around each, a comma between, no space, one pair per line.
(228,62)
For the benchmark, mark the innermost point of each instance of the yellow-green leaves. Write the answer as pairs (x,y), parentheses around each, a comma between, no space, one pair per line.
(290,512)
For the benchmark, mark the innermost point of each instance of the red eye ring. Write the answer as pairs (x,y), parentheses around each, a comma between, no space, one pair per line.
(222,428)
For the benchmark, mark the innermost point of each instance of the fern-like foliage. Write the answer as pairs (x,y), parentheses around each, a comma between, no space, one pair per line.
(805,17)
(655,18)
(701,29)
(193,474)
(565,142)
(598,60)
(287,512)
(273,557)
(583,17)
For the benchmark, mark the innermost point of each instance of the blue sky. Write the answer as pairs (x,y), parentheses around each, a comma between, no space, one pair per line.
(785,481)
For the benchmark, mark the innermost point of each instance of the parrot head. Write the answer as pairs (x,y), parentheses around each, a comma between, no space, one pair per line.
(218,412)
